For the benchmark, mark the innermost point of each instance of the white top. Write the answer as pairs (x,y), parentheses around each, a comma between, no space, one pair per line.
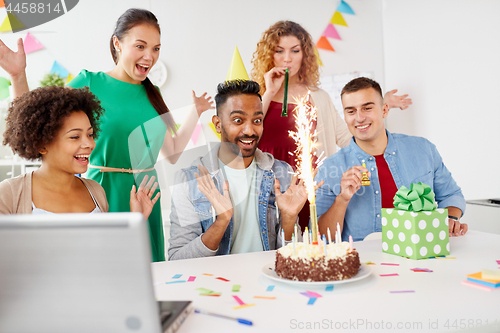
(244,197)
(43,211)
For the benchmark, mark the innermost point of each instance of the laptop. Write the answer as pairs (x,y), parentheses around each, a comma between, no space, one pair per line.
(80,273)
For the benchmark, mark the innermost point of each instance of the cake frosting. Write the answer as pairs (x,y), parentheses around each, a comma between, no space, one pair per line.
(309,262)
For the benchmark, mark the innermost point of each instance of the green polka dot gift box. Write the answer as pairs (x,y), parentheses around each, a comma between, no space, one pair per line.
(415,228)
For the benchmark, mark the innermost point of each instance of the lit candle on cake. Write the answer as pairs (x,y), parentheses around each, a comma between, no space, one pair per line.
(305,138)
(329,236)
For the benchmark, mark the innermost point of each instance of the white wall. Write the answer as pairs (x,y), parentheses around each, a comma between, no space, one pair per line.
(446,55)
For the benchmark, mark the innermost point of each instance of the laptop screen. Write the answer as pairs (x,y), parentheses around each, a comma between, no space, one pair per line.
(76,273)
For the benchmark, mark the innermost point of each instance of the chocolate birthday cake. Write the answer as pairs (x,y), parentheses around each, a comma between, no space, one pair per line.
(309,263)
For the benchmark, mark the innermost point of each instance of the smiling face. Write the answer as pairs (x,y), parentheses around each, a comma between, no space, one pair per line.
(240,124)
(138,51)
(364,113)
(288,53)
(72,145)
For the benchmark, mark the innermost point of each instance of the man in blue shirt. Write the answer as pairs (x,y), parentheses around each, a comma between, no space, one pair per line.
(392,160)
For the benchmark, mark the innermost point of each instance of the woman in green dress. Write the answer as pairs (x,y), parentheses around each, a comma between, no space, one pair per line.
(137,125)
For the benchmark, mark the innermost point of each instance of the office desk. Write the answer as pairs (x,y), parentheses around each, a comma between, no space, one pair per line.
(439,303)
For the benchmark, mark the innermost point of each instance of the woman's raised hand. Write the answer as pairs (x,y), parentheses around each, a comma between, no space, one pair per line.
(12,62)
(202,103)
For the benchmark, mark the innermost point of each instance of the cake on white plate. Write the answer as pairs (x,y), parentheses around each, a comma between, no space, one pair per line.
(310,263)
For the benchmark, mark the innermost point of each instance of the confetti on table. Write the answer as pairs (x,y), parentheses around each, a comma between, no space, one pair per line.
(498,262)
(264,297)
(211,294)
(270,288)
(240,302)
(311,300)
(421,270)
(178,281)
(306,294)
(207,274)
(369,263)
(329,288)
(191,278)
(388,264)
(176,276)
(394,274)
(313,294)
(478,286)
(236,287)
(243,306)
(446,258)
(222,279)
(402,291)
(203,290)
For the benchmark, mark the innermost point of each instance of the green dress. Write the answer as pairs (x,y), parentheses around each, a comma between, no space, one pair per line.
(131,136)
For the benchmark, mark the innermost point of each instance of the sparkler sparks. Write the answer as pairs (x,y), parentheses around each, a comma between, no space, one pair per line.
(305,138)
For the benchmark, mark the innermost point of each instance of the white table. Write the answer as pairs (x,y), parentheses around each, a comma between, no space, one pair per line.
(440,302)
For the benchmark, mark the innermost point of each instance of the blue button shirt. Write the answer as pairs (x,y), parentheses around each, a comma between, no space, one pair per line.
(411,159)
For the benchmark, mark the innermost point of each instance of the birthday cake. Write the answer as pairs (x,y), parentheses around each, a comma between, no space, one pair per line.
(309,263)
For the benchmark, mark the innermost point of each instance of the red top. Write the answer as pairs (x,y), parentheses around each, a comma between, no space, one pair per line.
(387,185)
(275,139)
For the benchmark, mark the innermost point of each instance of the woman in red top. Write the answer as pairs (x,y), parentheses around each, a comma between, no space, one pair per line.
(287,45)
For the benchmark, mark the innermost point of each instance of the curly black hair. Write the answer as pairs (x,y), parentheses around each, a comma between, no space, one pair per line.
(34,118)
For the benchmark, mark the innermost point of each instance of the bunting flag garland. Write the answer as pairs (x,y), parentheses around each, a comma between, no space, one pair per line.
(318,58)
(70,77)
(324,44)
(11,23)
(343,7)
(330,30)
(212,126)
(31,44)
(59,70)
(338,19)
(196,133)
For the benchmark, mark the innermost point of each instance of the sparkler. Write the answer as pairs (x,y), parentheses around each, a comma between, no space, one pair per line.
(305,138)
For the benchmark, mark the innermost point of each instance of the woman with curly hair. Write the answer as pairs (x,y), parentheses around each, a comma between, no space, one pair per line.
(287,45)
(58,125)
(137,125)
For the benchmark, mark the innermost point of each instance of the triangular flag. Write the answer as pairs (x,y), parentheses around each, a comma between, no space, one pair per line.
(331,32)
(196,133)
(324,44)
(4,88)
(318,58)
(212,126)
(59,70)
(338,19)
(70,77)
(11,23)
(345,8)
(237,69)
(177,126)
(31,44)
(2,4)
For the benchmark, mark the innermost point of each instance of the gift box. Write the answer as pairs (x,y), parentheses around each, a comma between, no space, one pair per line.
(415,228)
